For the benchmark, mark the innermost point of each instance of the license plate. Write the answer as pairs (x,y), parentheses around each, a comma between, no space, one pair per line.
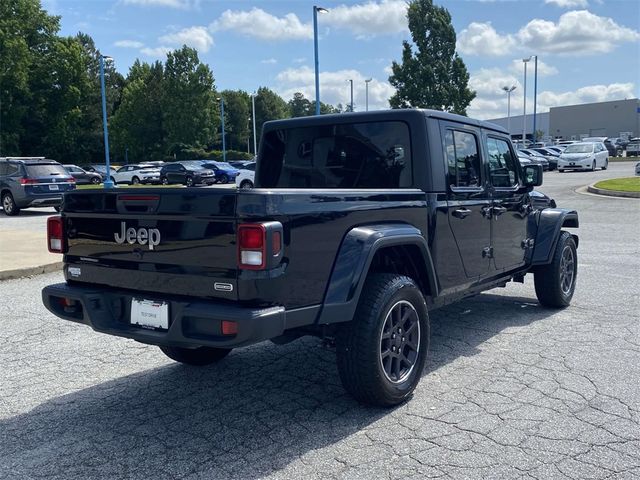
(54,187)
(150,313)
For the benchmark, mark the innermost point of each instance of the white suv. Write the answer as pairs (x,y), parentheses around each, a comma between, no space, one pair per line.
(135,174)
(246,177)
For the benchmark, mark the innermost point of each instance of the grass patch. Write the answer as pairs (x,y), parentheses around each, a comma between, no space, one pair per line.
(628,184)
(624,159)
(124,186)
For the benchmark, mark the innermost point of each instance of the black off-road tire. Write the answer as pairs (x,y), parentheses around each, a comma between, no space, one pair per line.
(9,205)
(553,288)
(199,356)
(359,342)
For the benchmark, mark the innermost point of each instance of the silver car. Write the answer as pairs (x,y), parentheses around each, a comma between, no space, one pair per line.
(584,156)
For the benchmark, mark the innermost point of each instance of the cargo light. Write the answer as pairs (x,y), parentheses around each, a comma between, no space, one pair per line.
(55,235)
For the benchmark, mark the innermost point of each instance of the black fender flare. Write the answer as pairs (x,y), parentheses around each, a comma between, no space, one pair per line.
(352,263)
(550,223)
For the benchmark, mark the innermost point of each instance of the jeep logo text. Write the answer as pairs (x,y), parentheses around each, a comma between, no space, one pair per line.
(143,236)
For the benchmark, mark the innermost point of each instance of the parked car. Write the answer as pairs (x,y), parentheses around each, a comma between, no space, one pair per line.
(224,172)
(633,147)
(189,173)
(584,156)
(82,176)
(565,143)
(246,177)
(101,169)
(638,168)
(32,182)
(523,158)
(609,145)
(545,160)
(135,174)
(240,164)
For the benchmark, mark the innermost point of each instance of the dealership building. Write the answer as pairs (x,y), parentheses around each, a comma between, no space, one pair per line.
(617,118)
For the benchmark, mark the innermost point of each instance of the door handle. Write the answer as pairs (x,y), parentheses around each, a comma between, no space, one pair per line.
(461,212)
(499,210)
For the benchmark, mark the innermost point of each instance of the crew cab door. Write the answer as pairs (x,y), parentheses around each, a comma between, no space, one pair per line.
(509,207)
(468,201)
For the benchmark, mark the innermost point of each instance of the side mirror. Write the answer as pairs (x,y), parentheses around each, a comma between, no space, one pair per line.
(532,175)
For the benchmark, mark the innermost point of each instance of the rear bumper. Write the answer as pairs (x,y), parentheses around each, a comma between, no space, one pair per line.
(191,323)
(39,201)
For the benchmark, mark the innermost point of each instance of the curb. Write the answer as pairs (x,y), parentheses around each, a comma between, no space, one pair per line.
(612,193)
(30,271)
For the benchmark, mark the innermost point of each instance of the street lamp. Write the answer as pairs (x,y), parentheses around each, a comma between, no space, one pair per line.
(366,93)
(224,145)
(351,82)
(535,97)
(317,10)
(509,90)
(253,115)
(524,108)
(107,183)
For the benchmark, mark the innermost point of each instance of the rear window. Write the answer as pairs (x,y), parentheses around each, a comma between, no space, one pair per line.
(357,155)
(46,170)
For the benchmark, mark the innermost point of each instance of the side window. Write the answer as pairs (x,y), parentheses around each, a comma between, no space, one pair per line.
(502,165)
(12,169)
(3,168)
(463,161)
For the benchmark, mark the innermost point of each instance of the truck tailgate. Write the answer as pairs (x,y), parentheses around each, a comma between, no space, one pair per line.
(178,241)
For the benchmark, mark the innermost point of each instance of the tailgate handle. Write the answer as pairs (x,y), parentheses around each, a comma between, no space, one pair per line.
(137,203)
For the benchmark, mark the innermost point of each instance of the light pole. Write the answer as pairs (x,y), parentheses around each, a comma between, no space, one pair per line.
(317,10)
(366,93)
(224,145)
(253,115)
(535,98)
(107,183)
(351,103)
(524,108)
(509,90)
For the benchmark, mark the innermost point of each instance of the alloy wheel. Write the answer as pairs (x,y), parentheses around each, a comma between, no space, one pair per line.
(567,270)
(400,341)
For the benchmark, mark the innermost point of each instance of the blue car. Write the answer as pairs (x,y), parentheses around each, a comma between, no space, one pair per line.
(224,172)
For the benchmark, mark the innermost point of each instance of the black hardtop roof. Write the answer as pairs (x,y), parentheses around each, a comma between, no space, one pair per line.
(381,115)
(30,160)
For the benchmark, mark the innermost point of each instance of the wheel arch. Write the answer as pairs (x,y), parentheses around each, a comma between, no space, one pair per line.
(550,224)
(390,248)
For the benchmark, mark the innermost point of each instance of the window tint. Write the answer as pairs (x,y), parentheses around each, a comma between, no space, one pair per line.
(358,155)
(44,170)
(3,168)
(463,161)
(13,169)
(502,165)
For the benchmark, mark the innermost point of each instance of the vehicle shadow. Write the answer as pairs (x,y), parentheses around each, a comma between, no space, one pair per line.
(253,414)
(35,213)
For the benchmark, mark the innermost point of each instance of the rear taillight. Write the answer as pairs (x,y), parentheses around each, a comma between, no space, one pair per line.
(28,181)
(259,245)
(71,180)
(55,235)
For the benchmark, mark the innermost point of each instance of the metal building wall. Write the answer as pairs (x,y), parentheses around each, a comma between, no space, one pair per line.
(604,119)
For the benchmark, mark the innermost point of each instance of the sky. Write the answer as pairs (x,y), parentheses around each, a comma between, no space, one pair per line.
(588,50)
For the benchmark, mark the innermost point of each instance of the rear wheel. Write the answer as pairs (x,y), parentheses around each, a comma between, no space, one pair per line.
(381,353)
(195,356)
(135,181)
(9,205)
(246,185)
(556,282)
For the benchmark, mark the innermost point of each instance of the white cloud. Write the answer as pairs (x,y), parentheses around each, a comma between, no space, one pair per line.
(544,69)
(260,24)
(371,18)
(182,4)
(589,94)
(155,52)
(196,37)
(299,60)
(578,32)
(482,39)
(568,3)
(269,61)
(334,87)
(128,44)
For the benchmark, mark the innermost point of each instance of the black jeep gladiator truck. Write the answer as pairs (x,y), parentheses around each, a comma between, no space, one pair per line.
(358,226)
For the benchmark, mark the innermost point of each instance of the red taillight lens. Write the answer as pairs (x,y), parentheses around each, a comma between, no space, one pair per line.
(229,327)
(71,180)
(28,181)
(55,235)
(251,246)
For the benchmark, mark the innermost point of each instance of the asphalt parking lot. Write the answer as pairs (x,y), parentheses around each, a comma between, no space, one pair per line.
(512,390)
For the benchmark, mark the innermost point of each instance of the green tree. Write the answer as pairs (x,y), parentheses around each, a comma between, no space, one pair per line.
(137,125)
(237,116)
(299,106)
(189,101)
(432,76)
(269,106)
